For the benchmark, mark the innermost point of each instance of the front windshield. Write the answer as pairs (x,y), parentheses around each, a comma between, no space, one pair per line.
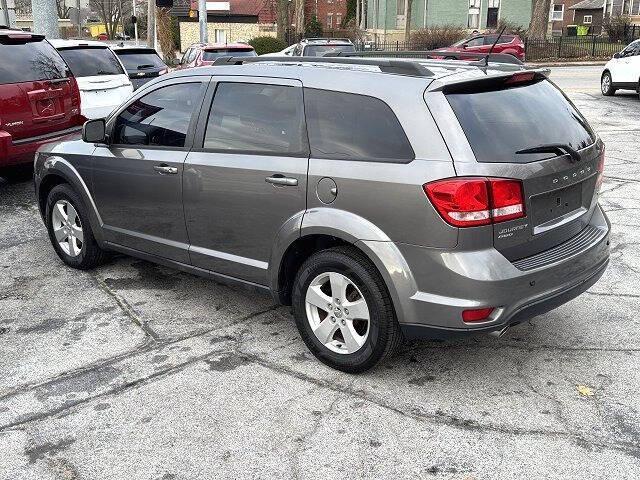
(322,50)
(211,55)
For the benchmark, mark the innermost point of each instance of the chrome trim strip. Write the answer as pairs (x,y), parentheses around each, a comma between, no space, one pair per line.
(557,222)
(230,257)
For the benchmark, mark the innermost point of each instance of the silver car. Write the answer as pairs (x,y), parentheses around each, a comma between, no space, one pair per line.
(382,199)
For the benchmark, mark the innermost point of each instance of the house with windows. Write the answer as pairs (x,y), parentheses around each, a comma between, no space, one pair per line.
(589,13)
(386,19)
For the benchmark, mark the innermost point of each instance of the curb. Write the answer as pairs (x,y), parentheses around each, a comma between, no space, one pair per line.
(569,64)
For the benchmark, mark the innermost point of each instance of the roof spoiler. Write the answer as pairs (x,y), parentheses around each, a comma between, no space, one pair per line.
(490,82)
(435,54)
(20,37)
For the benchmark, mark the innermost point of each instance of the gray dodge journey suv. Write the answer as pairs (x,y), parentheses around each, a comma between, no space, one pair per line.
(383,199)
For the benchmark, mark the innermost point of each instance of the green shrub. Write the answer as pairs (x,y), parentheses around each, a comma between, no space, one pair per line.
(313,28)
(267,44)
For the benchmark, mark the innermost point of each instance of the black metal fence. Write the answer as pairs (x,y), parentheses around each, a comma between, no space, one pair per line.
(592,46)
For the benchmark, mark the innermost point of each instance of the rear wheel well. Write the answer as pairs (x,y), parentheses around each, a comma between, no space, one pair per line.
(295,256)
(48,184)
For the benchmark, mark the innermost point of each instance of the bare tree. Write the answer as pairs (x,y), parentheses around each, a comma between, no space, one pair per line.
(63,10)
(407,22)
(299,16)
(539,19)
(111,13)
(282,19)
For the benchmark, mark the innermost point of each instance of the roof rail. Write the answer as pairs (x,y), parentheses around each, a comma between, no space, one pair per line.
(435,54)
(399,67)
(342,39)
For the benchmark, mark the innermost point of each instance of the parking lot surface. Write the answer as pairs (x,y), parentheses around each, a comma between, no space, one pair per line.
(135,371)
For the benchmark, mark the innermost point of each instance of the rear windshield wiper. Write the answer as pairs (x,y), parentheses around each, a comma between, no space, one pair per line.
(146,65)
(559,148)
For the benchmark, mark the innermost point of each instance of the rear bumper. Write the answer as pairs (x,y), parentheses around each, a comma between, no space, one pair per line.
(22,151)
(436,286)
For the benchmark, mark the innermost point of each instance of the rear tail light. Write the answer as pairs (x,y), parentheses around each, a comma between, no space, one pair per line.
(475,201)
(600,177)
(477,314)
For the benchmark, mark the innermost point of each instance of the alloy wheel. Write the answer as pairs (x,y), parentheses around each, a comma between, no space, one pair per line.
(606,83)
(337,313)
(67,228)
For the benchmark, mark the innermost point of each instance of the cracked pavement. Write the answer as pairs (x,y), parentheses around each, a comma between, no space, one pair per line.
(136,371)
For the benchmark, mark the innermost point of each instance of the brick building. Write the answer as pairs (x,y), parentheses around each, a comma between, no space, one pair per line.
(330,13)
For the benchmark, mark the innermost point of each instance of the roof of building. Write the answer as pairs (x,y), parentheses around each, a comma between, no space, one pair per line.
(588,5)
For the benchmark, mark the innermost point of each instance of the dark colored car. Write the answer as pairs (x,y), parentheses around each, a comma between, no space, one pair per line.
(481,44)
(39,96)
(201,54)
(141,63)
(408,200)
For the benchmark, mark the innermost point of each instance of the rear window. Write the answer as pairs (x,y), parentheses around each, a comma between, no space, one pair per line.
(30,61)
(346,126)
(499,123)
(140,59)
(211,55)
(321,50)
(91,61)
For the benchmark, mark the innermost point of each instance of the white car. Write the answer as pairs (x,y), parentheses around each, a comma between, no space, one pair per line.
(287,52)
(102,79)
(622,72)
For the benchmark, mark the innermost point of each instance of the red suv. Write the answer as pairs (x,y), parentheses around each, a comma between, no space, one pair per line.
(200,54)
(39,96)
(509,44)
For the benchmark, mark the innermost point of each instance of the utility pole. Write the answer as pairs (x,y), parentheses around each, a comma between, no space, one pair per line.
(135,24)
(151,24)
(45,18)
(202,19)
(8,13)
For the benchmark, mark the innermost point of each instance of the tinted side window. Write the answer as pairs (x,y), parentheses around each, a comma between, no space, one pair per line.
(354,127)
(257,118)
(475,42)
(159,118)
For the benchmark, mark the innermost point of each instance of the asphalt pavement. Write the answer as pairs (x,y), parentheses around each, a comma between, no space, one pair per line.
(136,371)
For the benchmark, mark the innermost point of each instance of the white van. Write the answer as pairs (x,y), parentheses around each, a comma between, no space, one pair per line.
(622,72)
(102,79)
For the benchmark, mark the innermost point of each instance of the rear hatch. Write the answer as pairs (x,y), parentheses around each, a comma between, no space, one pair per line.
(101,78)
(142,64)
(38,94)
(523,127)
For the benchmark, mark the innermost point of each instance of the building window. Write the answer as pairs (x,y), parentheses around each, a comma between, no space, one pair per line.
(221,35)
(493,13)
(400,7)
(473,19)
(587,19)
(338,20)
(557,13)
(330,21)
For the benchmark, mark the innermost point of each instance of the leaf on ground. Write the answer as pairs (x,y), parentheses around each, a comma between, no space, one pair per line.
(585,391)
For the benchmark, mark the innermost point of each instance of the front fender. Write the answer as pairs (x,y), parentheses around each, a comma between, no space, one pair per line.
(54,165)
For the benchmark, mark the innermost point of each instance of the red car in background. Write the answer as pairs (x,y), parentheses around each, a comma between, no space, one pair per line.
(200,54)
(39,97)
(481,44)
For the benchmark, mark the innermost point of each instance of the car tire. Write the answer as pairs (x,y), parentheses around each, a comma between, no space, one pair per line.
(606,85)
(343,278)
(70,231)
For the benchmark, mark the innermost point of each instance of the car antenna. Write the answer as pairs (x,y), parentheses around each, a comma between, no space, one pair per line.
(486,59)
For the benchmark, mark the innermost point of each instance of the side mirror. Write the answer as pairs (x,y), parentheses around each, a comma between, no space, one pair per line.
(465,46)
(616,55)
(94,131)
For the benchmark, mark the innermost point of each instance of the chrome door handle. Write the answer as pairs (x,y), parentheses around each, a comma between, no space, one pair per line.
(165,169)
(282,180)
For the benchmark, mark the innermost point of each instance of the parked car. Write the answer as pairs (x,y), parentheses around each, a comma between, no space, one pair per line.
(39,96)
(103,81)
(142,64)
(481,44)
(201,54)
(287,52)
(622,72)
(403,200)
(318,47)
